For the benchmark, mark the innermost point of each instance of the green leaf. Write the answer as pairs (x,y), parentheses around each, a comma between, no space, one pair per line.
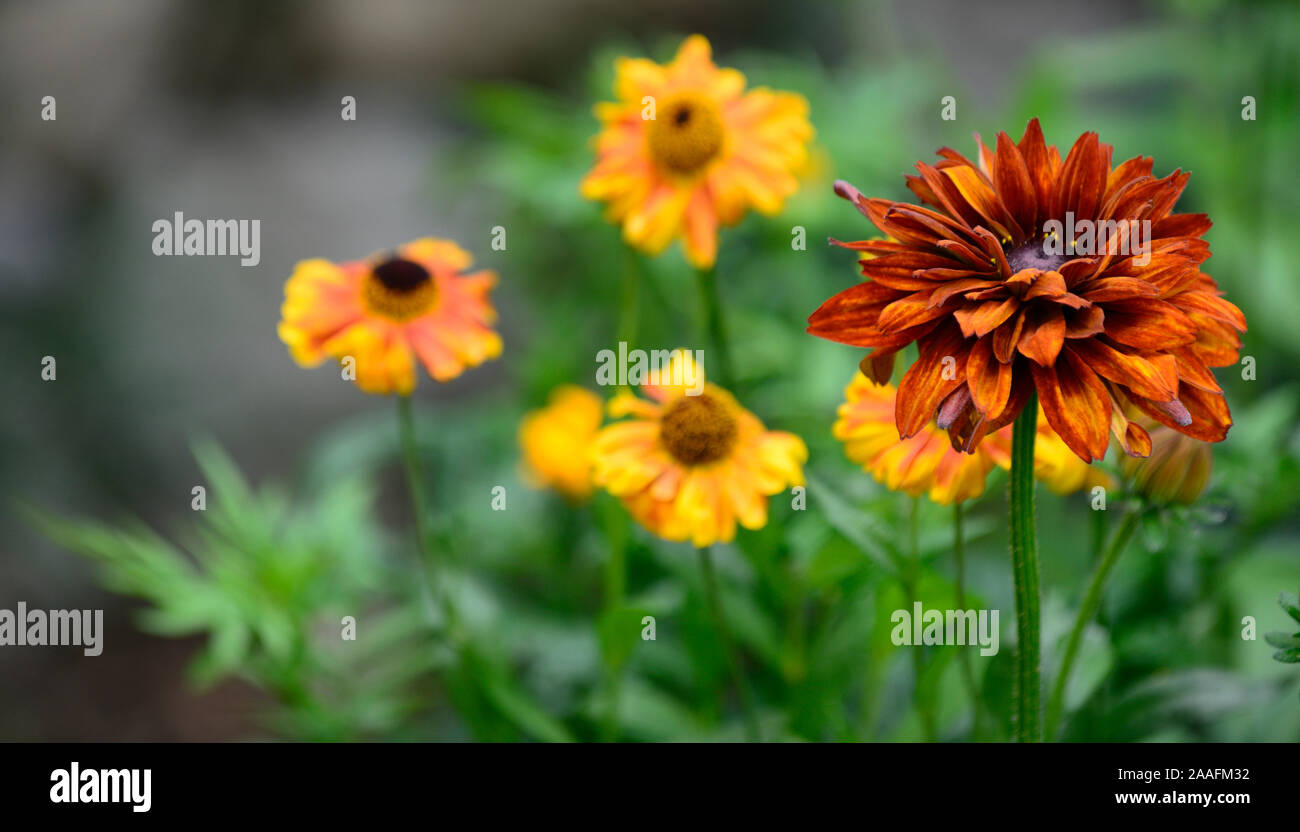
(619,630)
(850,522)
(1289,604)
(1282,640)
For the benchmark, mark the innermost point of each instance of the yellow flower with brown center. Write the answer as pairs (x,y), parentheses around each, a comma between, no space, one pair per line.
(690,467)
(926,462)
(388,311)
(556,441)
(686,149)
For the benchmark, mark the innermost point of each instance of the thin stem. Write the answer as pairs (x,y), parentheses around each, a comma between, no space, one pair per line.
(615,579)
(1088,609)
(1024,567)
(912,582)
(415,483)
(708,279)
(968,672)
(628,300)
(714,600)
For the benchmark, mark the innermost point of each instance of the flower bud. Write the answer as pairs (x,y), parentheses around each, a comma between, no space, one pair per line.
(1176,471)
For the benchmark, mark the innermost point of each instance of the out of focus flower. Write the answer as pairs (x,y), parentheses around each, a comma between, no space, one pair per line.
(685,150)
(556,441)
(386,312)
(923,463)
(975,280)
(690,467)
(926,463)
(1177,470)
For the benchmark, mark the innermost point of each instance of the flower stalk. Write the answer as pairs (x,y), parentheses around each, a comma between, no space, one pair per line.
(708,280)
(714,600)
(1024,565)
(1088,609)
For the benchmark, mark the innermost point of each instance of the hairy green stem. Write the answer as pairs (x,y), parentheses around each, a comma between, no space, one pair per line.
(714,600)
(1024,567)
(1091,600)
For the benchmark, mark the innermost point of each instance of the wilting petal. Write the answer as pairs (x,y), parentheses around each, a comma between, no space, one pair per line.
(1203,415)
(1007,336)
(979,319)
(1084,323)
(1076,404)
(940,369)
(1148,324)
(906,312)
(1153,378)
(850,317)
(988,378)
(1014,185)
(1043,337)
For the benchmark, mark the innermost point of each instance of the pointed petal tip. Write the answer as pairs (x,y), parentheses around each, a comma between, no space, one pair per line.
(845,190)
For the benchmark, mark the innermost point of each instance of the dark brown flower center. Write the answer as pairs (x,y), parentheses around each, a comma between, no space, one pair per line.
(686,134)
(698,430)
(400,275)
(1031,255)
(399,289)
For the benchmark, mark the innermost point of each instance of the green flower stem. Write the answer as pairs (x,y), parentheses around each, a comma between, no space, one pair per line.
(714,600)
(1024,567)
(628,319)
(415,483)
(968,672)
(1091,600)
(615,581)
(721,363)
(912,581)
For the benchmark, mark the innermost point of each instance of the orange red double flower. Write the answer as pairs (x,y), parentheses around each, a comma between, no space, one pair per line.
(968,277)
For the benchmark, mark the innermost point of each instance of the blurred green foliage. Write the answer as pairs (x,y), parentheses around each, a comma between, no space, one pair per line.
(547,655)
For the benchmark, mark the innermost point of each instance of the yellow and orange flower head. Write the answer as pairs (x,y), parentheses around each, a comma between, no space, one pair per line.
(926,462)
(690,467)
(969,277)
(556,441)
(685,150)
(923,463)
(389,311)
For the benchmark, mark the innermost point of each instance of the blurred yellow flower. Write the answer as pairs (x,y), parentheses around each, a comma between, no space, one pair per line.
(1055,465)
(556,441)
(692,467)
(685,149)
(378,316)
(926,463)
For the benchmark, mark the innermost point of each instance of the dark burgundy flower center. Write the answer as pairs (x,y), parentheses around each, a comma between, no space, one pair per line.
(1031,255)
(400,275)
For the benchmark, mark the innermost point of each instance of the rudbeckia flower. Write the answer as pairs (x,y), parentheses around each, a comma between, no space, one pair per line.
(390,310)
(690,467)
(685,150)
(972,277)
(556,441)
(926,462)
